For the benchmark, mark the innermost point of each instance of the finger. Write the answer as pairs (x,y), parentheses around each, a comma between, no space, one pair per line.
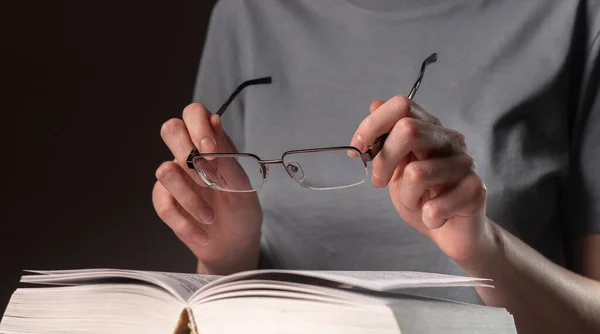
(227,170)
(417,111)
(181,186)
(463,200)
(228,173)
(224,143)
(419,137)
(175,134)
(425,179)
(198,124)
(381,122)
(372,107)
(186,229)
(375,104)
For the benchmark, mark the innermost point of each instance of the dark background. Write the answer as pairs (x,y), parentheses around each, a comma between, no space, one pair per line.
(87,87)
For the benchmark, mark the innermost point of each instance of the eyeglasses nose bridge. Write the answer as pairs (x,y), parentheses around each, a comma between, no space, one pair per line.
(265,166)
(271,162)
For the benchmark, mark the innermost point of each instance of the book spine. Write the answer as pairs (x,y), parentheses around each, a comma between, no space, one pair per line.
(191,321)
(186,324)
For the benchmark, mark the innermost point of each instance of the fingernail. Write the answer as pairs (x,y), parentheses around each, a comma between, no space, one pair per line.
(432,225)
(207,145)
(214,120)
(201,238)
(207,216)
(352,154)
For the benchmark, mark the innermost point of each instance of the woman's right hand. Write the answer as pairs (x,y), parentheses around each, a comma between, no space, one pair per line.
(221,228)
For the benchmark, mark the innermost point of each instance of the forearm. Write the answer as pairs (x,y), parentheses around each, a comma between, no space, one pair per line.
(542,296)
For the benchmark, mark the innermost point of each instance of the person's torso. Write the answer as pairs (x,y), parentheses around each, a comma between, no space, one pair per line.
(502,79)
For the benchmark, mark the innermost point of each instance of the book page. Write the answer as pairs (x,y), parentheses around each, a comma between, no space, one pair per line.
(391,280)
(181,285)
(97,308)
(186,286)
(382,281)
(282,289)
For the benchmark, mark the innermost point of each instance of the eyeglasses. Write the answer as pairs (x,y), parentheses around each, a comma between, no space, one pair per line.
(316,168)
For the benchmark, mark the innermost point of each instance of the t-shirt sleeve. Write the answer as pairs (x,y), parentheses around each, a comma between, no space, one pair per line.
(219,72)
(582,196)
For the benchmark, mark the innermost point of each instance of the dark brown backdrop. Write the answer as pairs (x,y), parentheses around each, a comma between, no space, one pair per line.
(89,85)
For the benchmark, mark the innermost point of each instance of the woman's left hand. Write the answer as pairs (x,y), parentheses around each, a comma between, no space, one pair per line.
(432,180)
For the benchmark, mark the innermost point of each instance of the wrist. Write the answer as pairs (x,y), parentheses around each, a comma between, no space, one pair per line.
(488,250)
(234,259)
(230,265)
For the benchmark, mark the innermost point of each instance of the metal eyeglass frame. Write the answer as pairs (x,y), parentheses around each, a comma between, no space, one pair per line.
(366,156)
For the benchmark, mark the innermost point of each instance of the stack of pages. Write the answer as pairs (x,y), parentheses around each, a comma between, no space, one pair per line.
(261,301)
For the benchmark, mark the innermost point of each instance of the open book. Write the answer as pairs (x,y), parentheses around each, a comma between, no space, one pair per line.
(261,301)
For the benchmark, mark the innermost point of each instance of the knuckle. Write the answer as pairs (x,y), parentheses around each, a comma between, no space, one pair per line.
(406,128)
(415,173)
(401,103)
(166,170)
(366,127)
(435,120)
(156,194)
(432,211)
(476,187)
(171,127)
(466,162)
(368,124)
(458,140)
(418,112)
(182,228)
(165,207)
(471,163)
(482,190)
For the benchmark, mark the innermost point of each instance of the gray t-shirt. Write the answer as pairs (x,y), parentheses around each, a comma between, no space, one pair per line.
(518,78)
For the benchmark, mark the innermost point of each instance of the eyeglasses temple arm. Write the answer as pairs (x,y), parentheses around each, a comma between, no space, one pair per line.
(430,60)
(378,144)
(259,81)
